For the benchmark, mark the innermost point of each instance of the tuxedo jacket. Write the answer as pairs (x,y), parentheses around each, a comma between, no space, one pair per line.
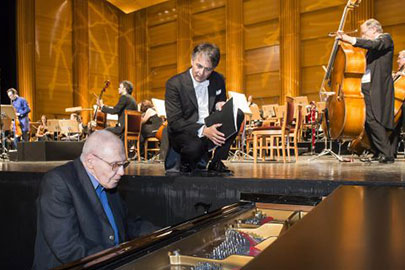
(181,101)
(126,102)
(379,62)
(71,222)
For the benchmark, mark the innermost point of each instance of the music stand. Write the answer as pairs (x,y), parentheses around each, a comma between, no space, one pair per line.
(7,114)
(326,150)
(160,108)
(240,102)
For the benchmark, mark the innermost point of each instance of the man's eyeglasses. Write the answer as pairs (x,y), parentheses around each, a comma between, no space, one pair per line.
(115,165)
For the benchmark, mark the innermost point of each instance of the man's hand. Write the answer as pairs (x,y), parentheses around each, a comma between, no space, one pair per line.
(217,137)
(219,105)
(345,38)
(17,114)
(100,103)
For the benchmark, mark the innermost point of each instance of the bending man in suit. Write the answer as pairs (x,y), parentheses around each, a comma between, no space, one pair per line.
(79,211)
(191,96)
(126,102)
(377,87)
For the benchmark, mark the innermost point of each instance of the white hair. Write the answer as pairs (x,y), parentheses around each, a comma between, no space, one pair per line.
(373,23)
(98,141)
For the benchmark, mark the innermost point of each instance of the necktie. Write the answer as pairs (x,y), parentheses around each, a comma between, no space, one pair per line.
(104,201)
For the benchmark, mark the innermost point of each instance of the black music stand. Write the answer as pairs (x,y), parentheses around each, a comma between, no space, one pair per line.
(328,150)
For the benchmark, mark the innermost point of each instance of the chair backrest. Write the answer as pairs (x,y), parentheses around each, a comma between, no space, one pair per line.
(133,121)
(290,110)
(255,112)
(270,111)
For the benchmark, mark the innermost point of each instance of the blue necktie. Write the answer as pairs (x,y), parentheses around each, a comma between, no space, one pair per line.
(104,201)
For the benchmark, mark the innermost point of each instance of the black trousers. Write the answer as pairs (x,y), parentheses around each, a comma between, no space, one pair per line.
(377,133)
(192,148)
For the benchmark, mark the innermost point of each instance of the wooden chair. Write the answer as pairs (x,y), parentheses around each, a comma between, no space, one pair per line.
(132,131)
(155,148)
(276,133)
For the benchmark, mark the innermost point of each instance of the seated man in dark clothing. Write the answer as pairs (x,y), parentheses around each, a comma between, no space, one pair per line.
(126,102)
(191,96)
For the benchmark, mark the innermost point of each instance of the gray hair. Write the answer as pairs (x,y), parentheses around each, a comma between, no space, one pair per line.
(373,23)
(210,50)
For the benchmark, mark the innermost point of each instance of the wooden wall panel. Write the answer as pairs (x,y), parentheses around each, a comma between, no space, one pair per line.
(198,5)
(263,85)
(312,83)
(319,23)
(256,11)
(53,58)
(162,47)
(214,18)
(311,5)
(389,12)
(262,60)
(262,49)
(163,34)
(103,46)
(162,13)
(262,34)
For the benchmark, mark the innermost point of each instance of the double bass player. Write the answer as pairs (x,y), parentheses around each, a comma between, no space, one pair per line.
(377,87)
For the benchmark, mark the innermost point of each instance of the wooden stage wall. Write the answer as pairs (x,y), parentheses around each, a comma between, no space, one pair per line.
(269,48)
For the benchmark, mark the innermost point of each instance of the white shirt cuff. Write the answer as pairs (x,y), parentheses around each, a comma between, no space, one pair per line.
(200,131)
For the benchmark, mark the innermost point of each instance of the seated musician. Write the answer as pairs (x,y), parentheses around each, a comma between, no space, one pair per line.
(151,123)
(43,133)
(126,102)
(191,96)
(377,87)
(150,120)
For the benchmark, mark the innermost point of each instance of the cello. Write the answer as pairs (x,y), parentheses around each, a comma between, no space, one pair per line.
(341,86)
(100,118)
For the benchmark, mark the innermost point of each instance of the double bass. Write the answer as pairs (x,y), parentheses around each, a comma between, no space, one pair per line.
(341,86)
(99,118)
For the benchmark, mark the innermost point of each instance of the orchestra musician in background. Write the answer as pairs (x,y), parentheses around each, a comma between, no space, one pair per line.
(22,109)
(126,102)
(377,87)
(43,133)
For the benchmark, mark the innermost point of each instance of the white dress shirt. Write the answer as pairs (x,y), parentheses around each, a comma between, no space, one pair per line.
(201,91)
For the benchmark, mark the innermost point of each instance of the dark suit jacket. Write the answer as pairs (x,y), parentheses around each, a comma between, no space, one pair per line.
(181,101)
(379,61)
(126,102)
(71,222)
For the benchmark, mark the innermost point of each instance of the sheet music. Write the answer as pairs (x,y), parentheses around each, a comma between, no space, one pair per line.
(240,102)
(159,105)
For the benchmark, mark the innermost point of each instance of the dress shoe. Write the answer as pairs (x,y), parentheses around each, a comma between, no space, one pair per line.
(219,167)
(186,168)
(376,157)
(387,160)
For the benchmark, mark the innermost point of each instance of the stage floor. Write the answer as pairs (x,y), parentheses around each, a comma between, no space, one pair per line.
(324,168)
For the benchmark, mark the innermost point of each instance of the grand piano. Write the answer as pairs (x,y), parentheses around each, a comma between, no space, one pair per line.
(353,228)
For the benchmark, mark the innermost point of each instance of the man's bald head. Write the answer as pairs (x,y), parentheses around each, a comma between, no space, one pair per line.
(101,142)
(103,156)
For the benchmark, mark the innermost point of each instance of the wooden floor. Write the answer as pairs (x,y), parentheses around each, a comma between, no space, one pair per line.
(324,168)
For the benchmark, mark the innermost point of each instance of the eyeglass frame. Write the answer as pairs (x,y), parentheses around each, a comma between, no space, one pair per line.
(114,165)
